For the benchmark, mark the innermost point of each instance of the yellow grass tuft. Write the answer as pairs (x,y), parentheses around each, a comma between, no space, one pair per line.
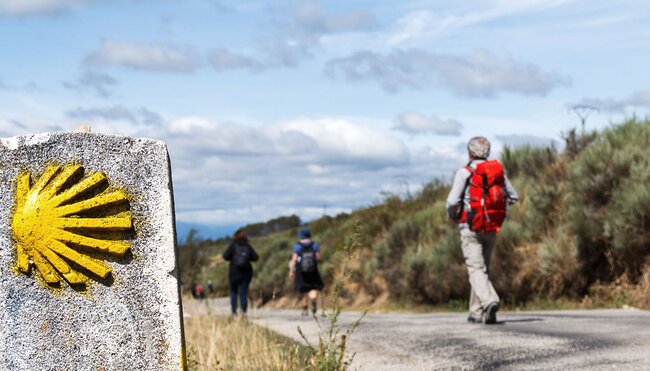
(224,343)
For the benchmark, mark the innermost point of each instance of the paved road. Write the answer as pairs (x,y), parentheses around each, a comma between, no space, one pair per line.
(550,340)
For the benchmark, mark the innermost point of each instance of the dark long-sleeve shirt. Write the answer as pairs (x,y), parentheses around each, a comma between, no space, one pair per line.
(229,253)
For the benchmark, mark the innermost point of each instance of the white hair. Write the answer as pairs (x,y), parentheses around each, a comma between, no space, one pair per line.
(478,147)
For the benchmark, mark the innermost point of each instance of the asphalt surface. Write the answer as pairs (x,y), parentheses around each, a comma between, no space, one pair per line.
(545,340)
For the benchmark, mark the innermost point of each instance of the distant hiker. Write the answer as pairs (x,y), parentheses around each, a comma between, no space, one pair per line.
(240,254)
(210,287)
(199,293)
(303,269)
(477,202)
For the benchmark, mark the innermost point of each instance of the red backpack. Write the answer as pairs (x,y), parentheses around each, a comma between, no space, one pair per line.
(487,197)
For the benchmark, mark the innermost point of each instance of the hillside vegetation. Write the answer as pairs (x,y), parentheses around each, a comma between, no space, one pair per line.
(580,233)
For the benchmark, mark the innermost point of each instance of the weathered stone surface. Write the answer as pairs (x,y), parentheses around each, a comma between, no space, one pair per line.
(129,321)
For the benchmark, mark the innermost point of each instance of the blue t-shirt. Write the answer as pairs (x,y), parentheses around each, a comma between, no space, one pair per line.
(298,247)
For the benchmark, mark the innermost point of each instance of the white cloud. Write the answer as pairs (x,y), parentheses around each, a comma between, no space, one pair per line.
(317,169)
(25,126)
(28,87)
(143,56)
(99,83)
(424,23)
(640,98)
(223,59)
(110,114)
(301,28)
(228,173)
(518,140)
(416,123)
(26,7)
(413,25)
(299,31)
(199,137)
(221,6)
(346,142)
(8,128)
(312,18)
(286,53)
(479,74)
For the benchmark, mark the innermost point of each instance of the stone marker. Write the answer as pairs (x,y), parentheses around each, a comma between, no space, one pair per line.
(88,267)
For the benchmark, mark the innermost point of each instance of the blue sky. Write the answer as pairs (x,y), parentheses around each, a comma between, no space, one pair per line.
(278,107)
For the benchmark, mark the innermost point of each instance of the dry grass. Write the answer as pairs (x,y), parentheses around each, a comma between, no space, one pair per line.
(621,293)
(222,343)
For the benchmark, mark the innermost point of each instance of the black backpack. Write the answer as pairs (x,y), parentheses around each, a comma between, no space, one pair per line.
(241,256)
(307,258)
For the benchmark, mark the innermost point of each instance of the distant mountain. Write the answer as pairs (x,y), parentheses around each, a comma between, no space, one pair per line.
(254,230)
(205,231)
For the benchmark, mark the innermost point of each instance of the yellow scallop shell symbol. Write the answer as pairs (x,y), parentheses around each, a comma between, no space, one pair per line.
(58,223)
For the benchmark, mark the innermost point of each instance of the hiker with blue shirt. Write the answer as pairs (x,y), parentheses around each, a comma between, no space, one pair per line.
(303,269)
(240,254)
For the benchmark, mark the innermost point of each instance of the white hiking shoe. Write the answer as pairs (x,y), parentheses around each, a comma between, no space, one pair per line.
(490,315)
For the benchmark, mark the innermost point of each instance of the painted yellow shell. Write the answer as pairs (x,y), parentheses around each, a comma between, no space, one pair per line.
(50,215)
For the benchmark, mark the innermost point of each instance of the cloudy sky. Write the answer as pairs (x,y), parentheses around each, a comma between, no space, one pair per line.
(278,107)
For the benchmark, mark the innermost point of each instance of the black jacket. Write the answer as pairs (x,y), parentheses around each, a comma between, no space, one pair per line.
(228,255)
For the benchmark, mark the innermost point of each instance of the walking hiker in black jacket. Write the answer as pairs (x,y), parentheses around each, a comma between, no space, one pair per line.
(240,254)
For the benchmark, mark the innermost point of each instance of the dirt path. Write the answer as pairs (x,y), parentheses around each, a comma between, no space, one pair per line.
(552,340)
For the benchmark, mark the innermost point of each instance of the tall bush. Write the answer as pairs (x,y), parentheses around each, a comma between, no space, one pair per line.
(608,212)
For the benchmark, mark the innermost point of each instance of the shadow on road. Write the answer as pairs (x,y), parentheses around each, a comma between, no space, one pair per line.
(520,320)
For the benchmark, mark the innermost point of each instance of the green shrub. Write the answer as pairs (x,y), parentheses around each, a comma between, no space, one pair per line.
(558,256)
(512,234)
(433,191)
(436,274)
(272,272)
(574,143)
(432,221)
(545,208)
(611,228)
(528,161)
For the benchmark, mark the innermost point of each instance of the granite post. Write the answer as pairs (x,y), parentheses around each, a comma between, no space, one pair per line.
(88,255)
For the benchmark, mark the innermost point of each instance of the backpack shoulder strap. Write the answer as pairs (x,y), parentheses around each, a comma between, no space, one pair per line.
(469,168)
(462,195)
(469,178)
(302,247)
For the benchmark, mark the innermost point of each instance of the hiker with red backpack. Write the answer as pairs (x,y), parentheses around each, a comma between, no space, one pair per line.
(303,269)
(478,200)
(240,254)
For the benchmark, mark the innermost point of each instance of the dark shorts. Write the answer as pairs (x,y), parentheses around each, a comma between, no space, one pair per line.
(307,281)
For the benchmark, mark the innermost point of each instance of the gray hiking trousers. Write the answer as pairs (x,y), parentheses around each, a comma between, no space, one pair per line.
(477,249)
